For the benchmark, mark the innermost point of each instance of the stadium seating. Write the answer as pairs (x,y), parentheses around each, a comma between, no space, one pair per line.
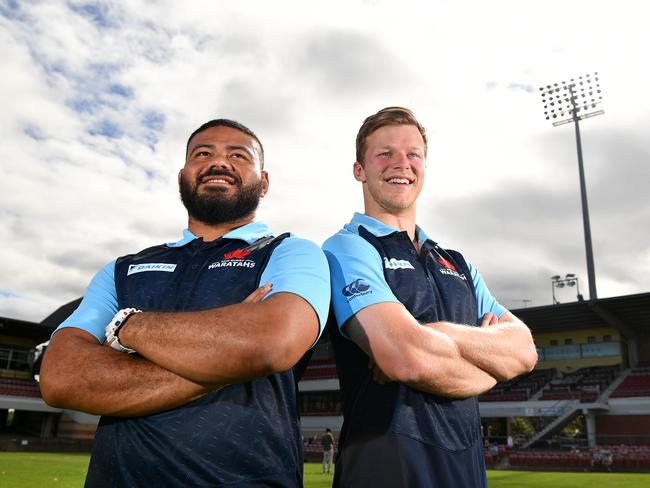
(320,369)
(19,387)
(624,458)
(584,385)
(636,384)
(520,388)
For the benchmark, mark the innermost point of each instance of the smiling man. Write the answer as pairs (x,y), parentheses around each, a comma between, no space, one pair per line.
(416,333)
(186,349)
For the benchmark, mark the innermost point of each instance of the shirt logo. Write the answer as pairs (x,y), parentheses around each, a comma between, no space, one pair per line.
(234,259)
(393,263)
(450,270)
(139,268)
(237,254)
(356,289)
(446,263)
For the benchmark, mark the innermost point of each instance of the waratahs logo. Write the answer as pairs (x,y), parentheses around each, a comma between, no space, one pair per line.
(234,259)
(237,254)
(356,289)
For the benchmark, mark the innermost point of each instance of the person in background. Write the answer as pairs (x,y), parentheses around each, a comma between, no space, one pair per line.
(327,441)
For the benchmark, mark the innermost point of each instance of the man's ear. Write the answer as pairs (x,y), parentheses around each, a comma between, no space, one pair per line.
(180,175)
(265,183)
(359,172)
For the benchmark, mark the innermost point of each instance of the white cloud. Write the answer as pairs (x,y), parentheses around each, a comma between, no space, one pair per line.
(102,96)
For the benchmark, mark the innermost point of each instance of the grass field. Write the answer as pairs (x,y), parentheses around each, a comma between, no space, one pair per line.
(44,470)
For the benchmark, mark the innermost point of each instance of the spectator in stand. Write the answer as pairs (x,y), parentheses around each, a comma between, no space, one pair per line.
(607,459)
(494,449)
(601,457)
(327,441)
(623,450)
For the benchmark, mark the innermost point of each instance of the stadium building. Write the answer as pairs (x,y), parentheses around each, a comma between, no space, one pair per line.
(586,404)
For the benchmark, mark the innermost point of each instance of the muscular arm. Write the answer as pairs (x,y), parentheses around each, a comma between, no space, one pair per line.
(503,350)
(229,344)
(421,357)
(80,374)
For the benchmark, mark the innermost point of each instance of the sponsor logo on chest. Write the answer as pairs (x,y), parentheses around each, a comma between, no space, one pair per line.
(450,270)
(234,259)
(393,263)
(140,268)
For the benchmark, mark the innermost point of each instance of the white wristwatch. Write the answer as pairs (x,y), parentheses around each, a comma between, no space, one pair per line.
(114,326)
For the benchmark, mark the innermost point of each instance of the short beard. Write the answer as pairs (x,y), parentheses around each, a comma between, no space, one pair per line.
(215,208)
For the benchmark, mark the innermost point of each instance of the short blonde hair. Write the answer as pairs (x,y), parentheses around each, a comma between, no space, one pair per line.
(386,116)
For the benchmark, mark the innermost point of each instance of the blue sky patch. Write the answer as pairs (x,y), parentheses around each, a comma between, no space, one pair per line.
(108,129)
(120,90)
(97,13)
(34,132)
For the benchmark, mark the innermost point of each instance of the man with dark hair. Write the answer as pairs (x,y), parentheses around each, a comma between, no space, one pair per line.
(410,357)
(327,441)
(194,379)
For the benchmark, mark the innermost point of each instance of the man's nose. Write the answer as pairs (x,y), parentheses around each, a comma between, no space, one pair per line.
(221,161)
(401,160)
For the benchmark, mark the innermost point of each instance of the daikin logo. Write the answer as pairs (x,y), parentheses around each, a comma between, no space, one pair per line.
(140,268)
(393,263)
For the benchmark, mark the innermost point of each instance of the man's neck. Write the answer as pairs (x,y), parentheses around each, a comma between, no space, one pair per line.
(404,221)
(212,232)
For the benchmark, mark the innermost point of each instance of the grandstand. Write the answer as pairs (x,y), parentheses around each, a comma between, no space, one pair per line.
(593,377)
(588,397)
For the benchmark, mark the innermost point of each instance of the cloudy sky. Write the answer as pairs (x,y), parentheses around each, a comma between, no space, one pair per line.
(98,99)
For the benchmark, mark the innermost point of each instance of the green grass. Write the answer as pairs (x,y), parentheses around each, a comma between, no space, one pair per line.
(545,479)
(314,477)
(44,470)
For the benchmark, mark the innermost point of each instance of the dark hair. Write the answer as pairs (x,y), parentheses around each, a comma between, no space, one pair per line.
(387,116)
(233,125)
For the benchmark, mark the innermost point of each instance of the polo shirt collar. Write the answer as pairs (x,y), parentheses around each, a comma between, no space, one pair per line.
(377,227)
(249,233)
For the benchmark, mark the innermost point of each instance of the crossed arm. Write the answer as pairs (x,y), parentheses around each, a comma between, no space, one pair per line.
(446,359)
(504,348)
(181,356)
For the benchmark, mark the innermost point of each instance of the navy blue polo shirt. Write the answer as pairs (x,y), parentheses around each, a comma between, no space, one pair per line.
(394,435)
(244,434)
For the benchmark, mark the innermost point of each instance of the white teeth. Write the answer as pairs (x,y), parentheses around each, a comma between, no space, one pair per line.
(402,181)
(217,180)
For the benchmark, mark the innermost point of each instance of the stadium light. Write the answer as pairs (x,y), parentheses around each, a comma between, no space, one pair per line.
(571,101)
(569,280)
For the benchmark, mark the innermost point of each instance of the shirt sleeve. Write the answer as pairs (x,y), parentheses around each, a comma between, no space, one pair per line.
(484,300)
(357,275)
(98,307)
(299,266)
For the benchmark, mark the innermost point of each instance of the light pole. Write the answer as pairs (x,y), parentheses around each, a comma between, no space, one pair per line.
(569,280)
(567,102)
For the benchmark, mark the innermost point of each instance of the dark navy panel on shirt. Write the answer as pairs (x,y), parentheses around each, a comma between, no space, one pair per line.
(394,435)
(243,435)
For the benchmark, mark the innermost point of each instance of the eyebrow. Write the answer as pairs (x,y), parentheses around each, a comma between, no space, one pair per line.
(229,148)
(393,146)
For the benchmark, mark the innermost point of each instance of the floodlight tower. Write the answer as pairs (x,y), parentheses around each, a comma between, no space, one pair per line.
(567,102)
(570,280)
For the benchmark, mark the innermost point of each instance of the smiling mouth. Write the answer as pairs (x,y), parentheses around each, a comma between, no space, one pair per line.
(216,180)
(399,181)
